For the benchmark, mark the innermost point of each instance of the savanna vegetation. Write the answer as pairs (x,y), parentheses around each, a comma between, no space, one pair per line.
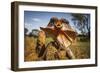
(80,48)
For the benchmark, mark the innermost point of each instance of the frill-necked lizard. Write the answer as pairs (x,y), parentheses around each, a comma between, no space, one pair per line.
(61,31)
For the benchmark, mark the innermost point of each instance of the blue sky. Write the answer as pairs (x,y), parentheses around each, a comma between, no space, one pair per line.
(35,19)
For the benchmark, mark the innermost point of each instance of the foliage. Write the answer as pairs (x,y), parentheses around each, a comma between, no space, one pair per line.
(34,33)
(25,31)
(82,23)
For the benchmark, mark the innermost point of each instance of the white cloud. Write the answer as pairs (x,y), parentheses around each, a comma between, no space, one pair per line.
(36,19)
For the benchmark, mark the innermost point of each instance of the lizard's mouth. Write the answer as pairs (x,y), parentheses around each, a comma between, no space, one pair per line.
(59,26)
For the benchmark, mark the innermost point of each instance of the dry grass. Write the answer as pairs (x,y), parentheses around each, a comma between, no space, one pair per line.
(81,50)
(29,53)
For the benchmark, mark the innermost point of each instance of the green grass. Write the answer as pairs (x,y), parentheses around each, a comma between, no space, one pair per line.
(48,40)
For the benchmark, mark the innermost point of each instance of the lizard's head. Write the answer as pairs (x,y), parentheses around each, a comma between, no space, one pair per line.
(58,24)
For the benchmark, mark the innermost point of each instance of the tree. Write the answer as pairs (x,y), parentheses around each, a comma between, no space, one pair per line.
(34,32)
(25,31)
(82,23)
